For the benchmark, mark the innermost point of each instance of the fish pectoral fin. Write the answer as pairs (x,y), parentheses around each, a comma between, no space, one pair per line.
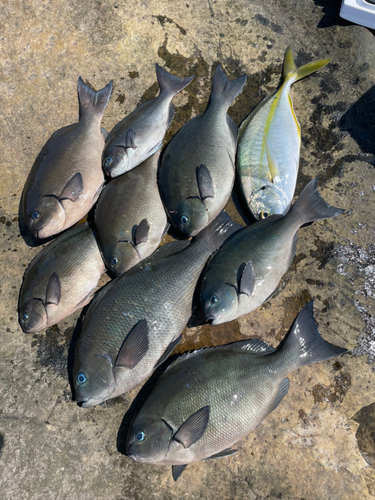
(177,470)
(73,188)
(134,347)
(271,163)
(130,139)
(246,279)
(53,293)
(141,232)
(225,453)
(193,428)
(167,352)
(281,392)
(204,181)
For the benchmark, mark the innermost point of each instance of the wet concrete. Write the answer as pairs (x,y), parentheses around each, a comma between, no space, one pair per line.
(319,443)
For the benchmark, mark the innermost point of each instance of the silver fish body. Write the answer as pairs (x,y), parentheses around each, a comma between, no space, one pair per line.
(60,279)
(138,317)
(269,146)
(248,268)
(130,217)
(209,399)
(141,133)
(67,177)
(197,169)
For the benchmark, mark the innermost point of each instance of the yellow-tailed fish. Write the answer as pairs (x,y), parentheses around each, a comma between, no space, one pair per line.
(269,145)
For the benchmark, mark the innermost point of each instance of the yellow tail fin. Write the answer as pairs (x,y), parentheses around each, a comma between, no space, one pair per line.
(291,71)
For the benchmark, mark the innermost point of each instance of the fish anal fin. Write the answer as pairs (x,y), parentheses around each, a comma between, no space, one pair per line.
(86,298)
(281,392)
(167,352)
(53,292)
(204,181)
(193,428)
(177,470)
(225,453)
(134,347)
(73,188)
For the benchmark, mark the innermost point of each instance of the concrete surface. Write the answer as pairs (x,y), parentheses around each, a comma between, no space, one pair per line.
(319,443)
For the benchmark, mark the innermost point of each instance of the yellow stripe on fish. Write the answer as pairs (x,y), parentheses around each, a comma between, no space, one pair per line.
(269,145)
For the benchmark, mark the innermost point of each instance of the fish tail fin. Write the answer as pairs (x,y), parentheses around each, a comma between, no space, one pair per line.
(310,206)
(291,72)
(170,83)
(91,101)
(304,344)
(218,231)
(223,89)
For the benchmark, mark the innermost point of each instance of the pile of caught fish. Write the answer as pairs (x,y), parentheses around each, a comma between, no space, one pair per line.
(206,400)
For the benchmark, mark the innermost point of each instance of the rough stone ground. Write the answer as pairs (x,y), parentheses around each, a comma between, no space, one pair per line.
(320,442)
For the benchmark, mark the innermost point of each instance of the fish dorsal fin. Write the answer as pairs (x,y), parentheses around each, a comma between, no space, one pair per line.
(168,249)
(232,127)
(177,470)
(247,279)
(53,292)
(73,188)
(134,347)
(193,428)
(86,298)
(171,114)
(274,172)
(225,453)
(130,139)
(281,392)
(253,346)
(167,352)
(204,181)
(141,233)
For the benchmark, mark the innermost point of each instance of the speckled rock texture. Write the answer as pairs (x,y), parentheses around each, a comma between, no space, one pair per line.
(320,442)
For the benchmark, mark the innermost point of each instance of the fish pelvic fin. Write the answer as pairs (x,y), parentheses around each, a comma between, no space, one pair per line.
(304,343)
(291,72)
(310,206)
(91,101)
(170,83)
(223,90)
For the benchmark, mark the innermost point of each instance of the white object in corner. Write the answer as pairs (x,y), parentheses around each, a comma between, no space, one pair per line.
(359,11)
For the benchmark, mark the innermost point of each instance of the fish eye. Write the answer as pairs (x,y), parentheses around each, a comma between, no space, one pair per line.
(35,215)
(264,215)
(108,160)
(214,299)
(81,378)
(184,219)
(141,436)
(114,261)
(25,316)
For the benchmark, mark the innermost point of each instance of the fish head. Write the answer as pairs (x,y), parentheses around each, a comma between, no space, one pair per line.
(33,316)
(115,161)
(46,218)
(121,257)
(93,379)
(190,217)
(148,439)
(220,302)
(269,200)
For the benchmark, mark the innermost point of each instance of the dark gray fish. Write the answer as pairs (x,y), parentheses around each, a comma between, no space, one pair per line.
(141,133)
(130,217)
(60,279)
(209,399)
(249,267)
(135,322)
(67,177)
(197,169)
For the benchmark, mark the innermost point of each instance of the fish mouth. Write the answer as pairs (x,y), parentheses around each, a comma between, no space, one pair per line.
(137,458)
(87,402)
(211,316)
